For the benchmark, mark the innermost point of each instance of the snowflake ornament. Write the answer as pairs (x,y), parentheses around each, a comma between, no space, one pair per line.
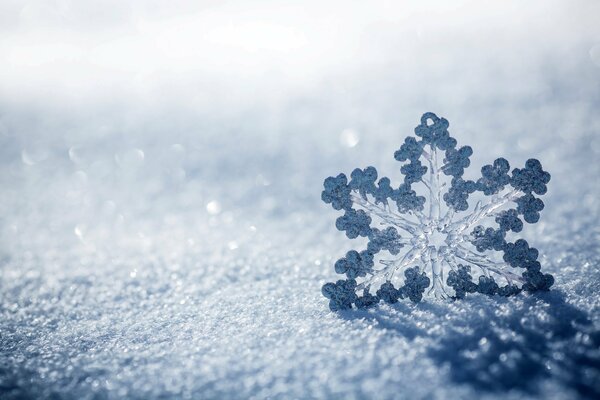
(416,243)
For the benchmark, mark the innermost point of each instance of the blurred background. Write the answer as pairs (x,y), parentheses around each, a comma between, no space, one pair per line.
(165,156)
(105,105)
(108,105)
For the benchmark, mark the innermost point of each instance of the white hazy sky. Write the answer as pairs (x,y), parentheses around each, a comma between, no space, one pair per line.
(89,51)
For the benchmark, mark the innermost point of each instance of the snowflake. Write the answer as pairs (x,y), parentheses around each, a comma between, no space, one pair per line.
(442,248)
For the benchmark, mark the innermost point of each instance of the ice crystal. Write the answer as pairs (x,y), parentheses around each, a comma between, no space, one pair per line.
(430,241)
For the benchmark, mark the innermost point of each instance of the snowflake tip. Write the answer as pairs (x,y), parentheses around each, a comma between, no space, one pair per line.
(536,281)
(530,206)
(337,192)
(434,131)
(341,294)
(532,178)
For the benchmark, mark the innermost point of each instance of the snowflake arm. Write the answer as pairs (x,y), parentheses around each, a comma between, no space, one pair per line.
(414,241)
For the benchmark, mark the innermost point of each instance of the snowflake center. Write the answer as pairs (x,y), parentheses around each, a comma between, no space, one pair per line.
(436,238)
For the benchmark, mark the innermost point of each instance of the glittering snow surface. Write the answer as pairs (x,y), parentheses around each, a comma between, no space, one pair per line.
(164,253)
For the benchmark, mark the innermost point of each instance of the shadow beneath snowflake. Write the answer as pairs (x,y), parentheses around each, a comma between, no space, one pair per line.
(543,338)
(512,345)
(386,318)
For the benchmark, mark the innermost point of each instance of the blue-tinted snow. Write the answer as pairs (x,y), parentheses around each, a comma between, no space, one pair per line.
(171,242)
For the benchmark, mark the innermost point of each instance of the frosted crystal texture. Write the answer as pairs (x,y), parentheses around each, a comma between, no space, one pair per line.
(433,241)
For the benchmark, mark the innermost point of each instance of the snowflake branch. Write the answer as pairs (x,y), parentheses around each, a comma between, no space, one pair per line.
(447,219)
(387,215)
(437,188)
(434,185)
(421,217)
(392,266)
(485,263)
(451,263)
(427,186)
(480,213)
(437,273)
